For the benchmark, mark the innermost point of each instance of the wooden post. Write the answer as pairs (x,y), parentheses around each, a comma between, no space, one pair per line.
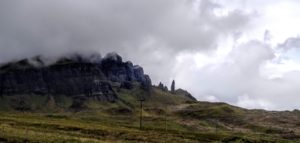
(166,129)
(166,119)
(141,113)
(141,99)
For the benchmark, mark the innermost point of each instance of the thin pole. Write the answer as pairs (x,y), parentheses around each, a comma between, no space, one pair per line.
(141,114)
(166,119)
(166,131)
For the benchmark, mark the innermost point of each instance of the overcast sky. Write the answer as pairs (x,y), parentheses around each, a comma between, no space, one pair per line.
(243,52)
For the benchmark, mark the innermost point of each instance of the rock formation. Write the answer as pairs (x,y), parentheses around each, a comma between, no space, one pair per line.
(173,87)
(73,75)
(162,87)
(185,94)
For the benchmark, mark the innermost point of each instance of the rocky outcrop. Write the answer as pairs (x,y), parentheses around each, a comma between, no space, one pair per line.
(185,94)
(162,87)
(124,72)
(73,75)
(173,87)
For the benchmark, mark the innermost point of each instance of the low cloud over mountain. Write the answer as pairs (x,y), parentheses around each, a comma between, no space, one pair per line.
(245,53)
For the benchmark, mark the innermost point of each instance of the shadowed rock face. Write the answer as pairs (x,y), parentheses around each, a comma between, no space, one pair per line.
(74,75)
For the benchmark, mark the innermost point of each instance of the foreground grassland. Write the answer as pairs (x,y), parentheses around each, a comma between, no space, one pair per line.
(167,118)
(81,127)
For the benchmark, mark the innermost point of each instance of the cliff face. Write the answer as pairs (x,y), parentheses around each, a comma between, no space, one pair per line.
(75,75)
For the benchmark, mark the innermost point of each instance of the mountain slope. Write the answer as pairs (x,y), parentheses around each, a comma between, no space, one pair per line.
(94,99)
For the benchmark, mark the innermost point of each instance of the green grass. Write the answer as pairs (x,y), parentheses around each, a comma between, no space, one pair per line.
(166,118)
(87,127)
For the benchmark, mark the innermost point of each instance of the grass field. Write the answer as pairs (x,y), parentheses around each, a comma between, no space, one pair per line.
(87,127)
(167,118)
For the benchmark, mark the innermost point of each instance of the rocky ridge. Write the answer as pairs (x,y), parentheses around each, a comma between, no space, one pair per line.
(72,75)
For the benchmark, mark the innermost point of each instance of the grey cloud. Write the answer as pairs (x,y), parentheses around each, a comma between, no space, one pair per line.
(290,43)
(150,33)
(249,56)
(239,74)
(153,34)
(238,80)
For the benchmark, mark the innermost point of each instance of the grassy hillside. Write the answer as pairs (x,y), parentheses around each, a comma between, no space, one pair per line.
(166,118)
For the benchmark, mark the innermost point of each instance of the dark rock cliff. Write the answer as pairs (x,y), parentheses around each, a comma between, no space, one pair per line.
(74,75)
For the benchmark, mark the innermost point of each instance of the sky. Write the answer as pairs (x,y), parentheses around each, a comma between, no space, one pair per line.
(242,52)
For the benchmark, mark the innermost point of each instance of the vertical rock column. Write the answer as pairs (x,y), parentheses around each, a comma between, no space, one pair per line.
(173,87)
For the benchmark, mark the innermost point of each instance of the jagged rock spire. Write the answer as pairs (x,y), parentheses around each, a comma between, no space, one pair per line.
(173,86)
